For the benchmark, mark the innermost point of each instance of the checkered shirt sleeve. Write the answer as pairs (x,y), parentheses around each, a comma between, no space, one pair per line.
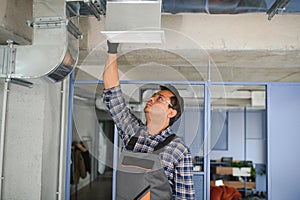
(127,123)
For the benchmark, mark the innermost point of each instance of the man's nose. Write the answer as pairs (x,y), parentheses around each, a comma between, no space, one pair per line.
(152,99)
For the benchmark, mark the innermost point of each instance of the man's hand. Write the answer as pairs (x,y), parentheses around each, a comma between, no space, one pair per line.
(112,47)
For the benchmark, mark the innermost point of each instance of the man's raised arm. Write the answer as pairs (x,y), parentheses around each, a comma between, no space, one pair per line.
(111,74)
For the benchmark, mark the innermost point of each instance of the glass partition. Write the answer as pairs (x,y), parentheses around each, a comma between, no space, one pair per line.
(238,139)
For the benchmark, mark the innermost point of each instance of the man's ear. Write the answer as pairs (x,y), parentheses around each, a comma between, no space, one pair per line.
(172,113)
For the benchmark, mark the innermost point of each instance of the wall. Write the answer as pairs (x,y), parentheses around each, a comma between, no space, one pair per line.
(31,142)
(256,139)
(255,148)
(51,140)
(283,130)
(190,128)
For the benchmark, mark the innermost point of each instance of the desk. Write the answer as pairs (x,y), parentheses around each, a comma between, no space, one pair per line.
(237,184)
(228,171)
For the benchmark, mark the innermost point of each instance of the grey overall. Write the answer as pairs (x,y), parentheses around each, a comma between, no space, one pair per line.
(141,176)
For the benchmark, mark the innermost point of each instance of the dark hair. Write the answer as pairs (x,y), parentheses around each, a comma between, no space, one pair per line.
(176,107)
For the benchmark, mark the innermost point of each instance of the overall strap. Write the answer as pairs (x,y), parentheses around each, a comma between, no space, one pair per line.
(133,140)
(131,143)
(164,143)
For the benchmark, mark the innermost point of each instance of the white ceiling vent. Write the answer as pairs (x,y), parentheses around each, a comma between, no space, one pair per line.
(133,22)
(258,98)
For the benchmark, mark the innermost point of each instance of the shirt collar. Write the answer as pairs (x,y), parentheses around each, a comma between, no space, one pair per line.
(161,136)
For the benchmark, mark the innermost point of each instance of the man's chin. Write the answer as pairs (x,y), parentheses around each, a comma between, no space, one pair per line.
(147,109)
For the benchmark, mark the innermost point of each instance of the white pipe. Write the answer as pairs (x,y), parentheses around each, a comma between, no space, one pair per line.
(2,133)
(62,141)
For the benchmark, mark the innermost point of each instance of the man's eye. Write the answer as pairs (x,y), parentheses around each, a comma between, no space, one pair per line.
(160,99)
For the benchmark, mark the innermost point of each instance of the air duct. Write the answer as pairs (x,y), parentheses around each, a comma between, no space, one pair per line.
(231,6)
(53,52)
(133,21)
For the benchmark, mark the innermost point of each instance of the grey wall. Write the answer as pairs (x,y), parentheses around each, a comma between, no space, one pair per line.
(31,142)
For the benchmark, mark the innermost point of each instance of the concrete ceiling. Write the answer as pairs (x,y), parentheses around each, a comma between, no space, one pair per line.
(244,47)
(13,17)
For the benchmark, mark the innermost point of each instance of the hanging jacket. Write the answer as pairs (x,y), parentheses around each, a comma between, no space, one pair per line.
(78,165)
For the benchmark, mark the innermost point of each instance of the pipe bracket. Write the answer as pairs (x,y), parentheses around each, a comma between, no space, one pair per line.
(8,59)
(48,22)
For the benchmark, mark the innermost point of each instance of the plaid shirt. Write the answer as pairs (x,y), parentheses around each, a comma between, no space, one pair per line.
(176,156)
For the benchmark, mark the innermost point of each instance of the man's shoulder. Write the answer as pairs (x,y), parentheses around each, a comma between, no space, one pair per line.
(178,145)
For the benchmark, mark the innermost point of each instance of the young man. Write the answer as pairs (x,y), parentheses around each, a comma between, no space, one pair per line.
(161,111)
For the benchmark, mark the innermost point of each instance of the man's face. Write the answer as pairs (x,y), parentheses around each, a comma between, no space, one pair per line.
(162,97)
(158,110)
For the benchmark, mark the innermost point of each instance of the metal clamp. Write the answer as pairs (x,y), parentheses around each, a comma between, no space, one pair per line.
(8,59)
(279,5)
(72,28)
(47,22)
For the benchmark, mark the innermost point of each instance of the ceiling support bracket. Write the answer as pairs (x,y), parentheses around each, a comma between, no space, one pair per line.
(8,65)
(74,30)
(277,6)
(47,22)
(94,9)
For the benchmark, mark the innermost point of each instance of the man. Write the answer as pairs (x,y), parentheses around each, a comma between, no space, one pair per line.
(161,111)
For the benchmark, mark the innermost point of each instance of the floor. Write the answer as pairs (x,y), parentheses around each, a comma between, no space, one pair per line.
(99,189)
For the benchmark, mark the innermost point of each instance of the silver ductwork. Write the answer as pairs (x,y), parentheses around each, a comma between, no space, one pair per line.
(53,52)
(133,21)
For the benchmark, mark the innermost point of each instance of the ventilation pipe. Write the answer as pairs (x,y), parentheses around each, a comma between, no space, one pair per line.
(52,54)
(272,7)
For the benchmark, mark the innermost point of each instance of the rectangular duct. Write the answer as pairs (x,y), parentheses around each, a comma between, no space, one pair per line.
(133,22)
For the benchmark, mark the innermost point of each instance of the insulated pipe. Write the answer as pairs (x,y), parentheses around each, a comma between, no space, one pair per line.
(215,7)
(62,141)
(52,54)
(2,133)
